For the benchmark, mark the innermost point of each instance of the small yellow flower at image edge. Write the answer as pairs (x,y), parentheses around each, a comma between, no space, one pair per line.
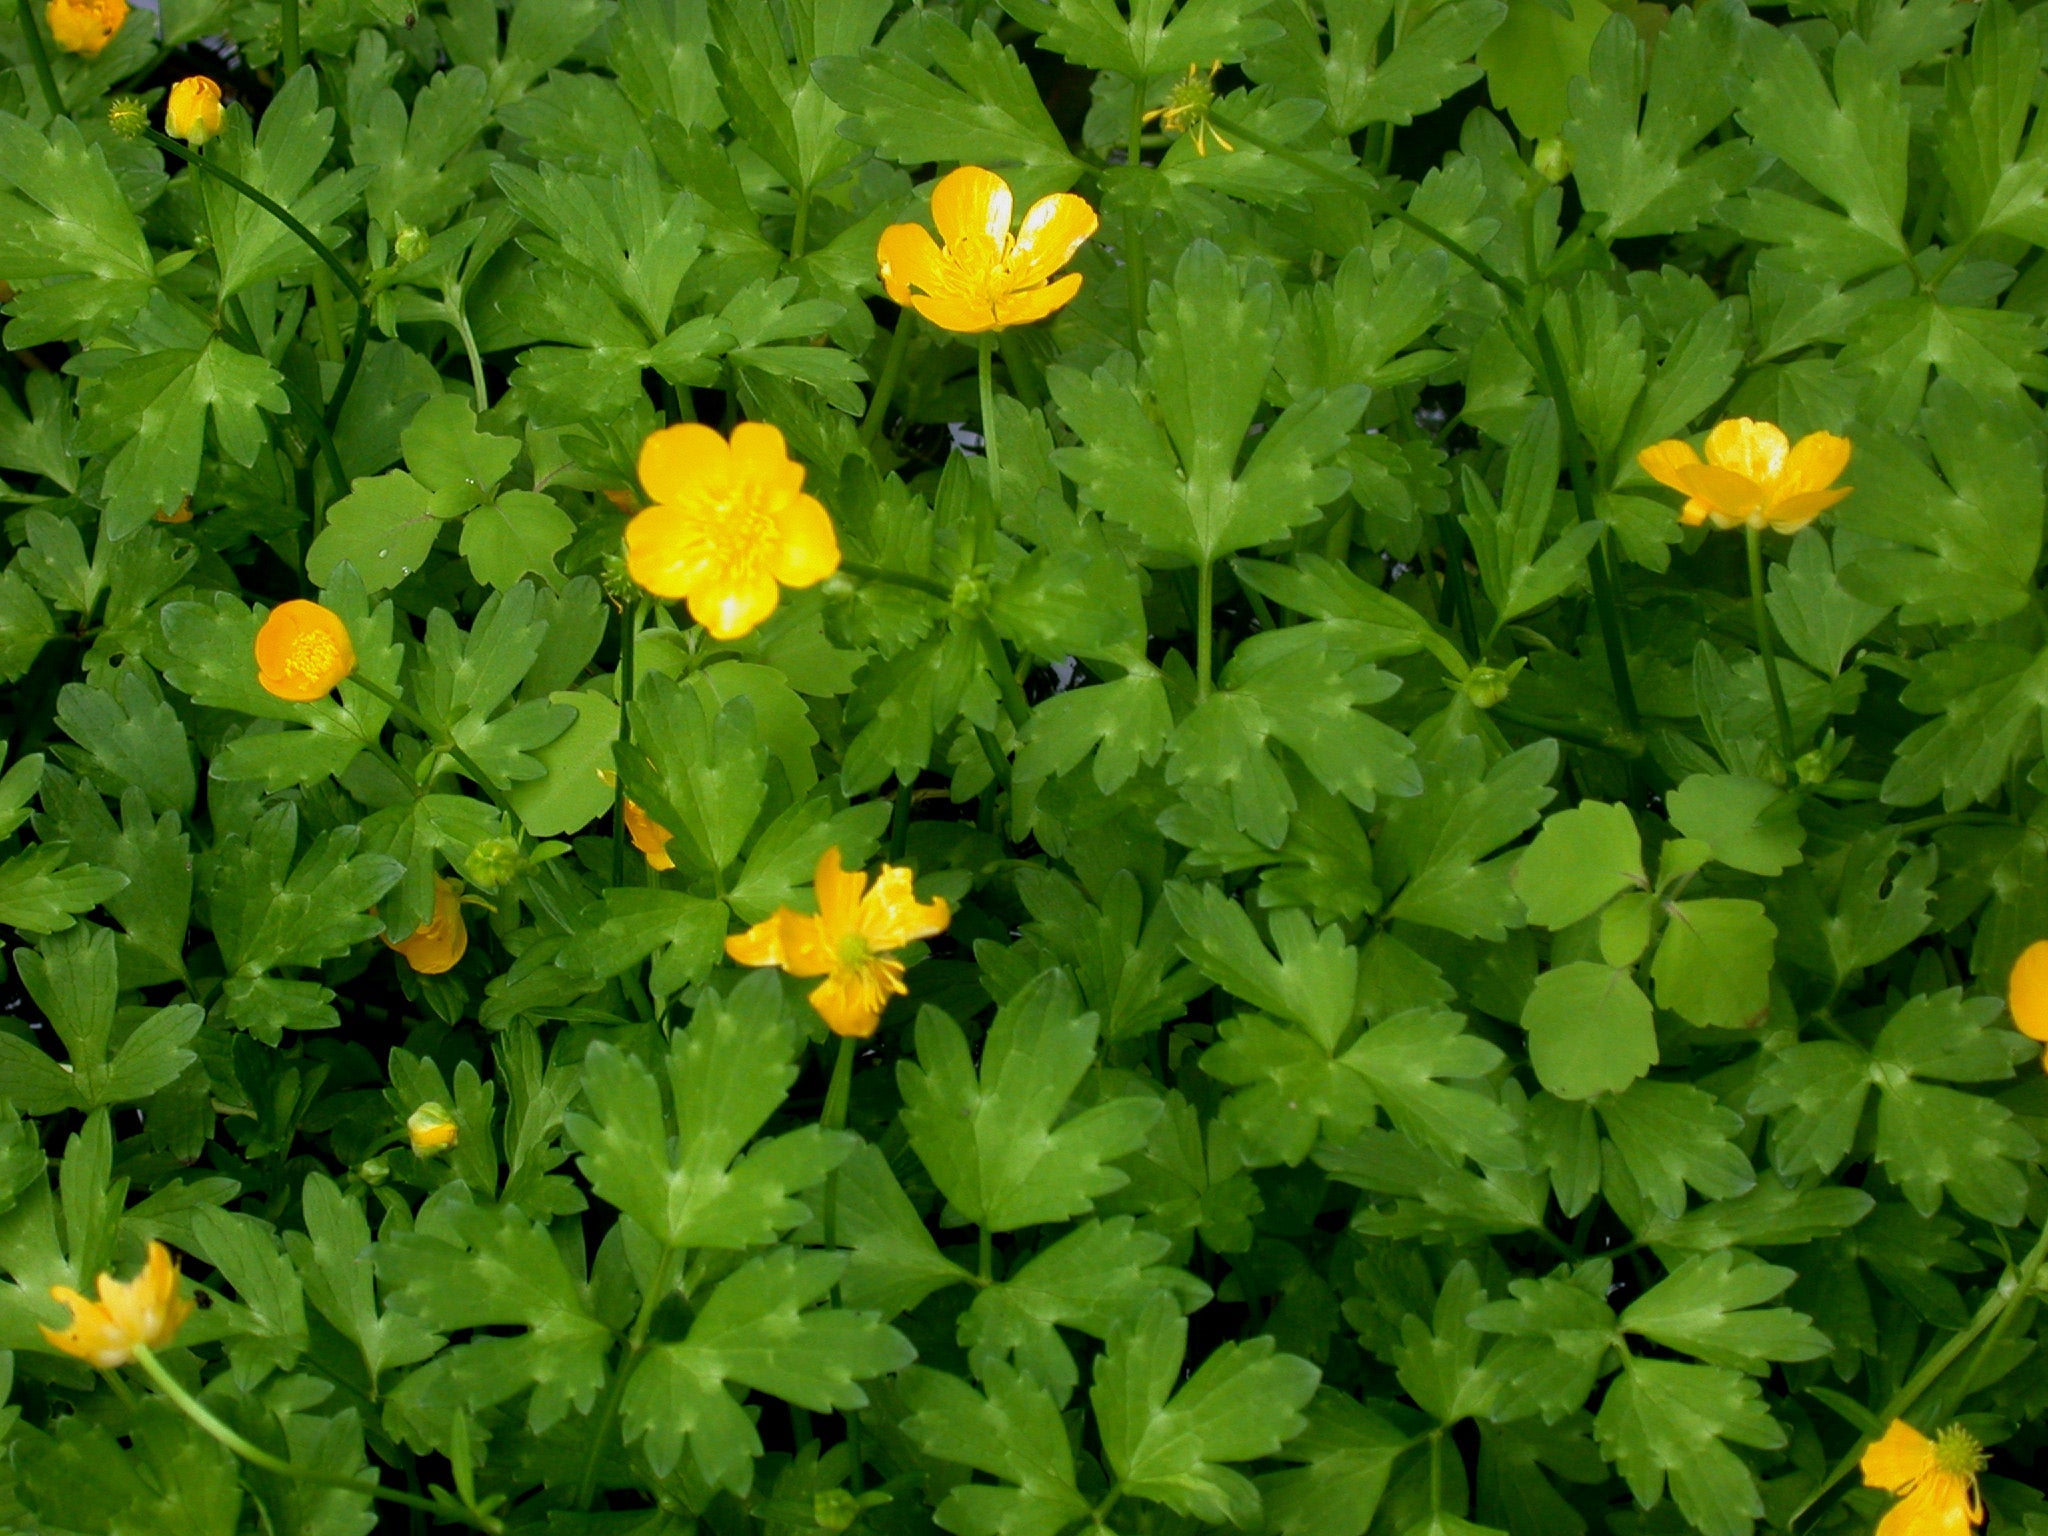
(303,651)
(193,112)
(851,942)
(729,527)
(2026,994)
(146,1310)
(85,27)
(1753,475)
(1936,1480)
(985,278)
(438,944)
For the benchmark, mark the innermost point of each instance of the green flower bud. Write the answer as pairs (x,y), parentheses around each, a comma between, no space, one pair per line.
(411,244)
(127,116)
(373,1171)
(1553,160)
(493,862)
(1487,686)
(431,1130)
(834,1509)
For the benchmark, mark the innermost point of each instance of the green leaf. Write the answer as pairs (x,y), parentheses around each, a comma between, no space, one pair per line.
(1313,982)
(1243,1402)
(999,1144)
(983,110)
(570,792)
(64,221)
(1145,44)
(269,910)
(762,1329)
(1710,1307)
(333,1256)
(1591,1030)
(1749,824)
(1821,620)
(517,533)
(1671,1135)
(267,1323)
(1665,1420)
(1014,1434)
(1176,482)
(1559,1332)
(1434,844)
(1519,574)
(136,739)
(1437,1361)
(470,1266)
(894,1264)
(1649,176)
(1532,56)
(1581,858)
(1423,66)
(41,893)
(1713,965)
(697,1180)
(1772,1215)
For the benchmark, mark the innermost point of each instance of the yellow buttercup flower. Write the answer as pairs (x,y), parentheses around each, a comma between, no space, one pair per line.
(303,651)
(85,26)
(850,942)
(193,112)
(146,1310)
(648,835)
(2026,993)
(985,278)
(441,941)
(729,522)
(1187,109)
(1936,1480)
(1753,475)
(430,1130)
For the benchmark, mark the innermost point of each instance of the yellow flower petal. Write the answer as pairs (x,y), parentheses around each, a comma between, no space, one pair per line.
(438,944)
(682,462)
(1896,1460)
(810,548)
(907,254)
(2026,991)
(146,1310)
(1663,461)
(1036,303)
(1789,514)
(851,1000)
(735,605)
(1053,230)
(85,27)
(1753,449)
(962,316)
(1814,464)
(759,945)
(970,203)
(891,915)
(303,651)
(650,837)
(838,891)
(1730,498)
(193,111)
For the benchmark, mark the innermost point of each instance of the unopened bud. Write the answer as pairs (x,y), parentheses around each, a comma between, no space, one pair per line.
(834,1509)
(970,596)
(411,244)
(494,861)
(430,1129)
(373,1171)
(1553,160)
(1487,686)
(128,116)
(1814,767)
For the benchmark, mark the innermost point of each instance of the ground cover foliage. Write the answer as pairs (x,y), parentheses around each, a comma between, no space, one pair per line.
(1467,1001)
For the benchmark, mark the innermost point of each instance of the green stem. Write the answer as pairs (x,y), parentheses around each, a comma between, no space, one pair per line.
(1134,217)
(985,377)
(1458,584)
(1760,616)
(258,1457)
(986,1265)
(1205,629)
(629,627)
(269,205)
(802,226)
(1605,604)
(1015,705)
(358,344)
(323,306)
(885,387)
(2012,1286)
(833,1118)
(636,1348)
(290,55)
(924,584)
(405,712)
(39,56)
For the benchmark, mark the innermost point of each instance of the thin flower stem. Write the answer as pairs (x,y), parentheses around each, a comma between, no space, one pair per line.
(833,1118)
(39,56)
(802,225)
(924,584)
(358,344)
(629,634)
(2014,1285)
(1134,216)
(290,54)
(986,1267)
(1205,629)
(985,377)
(405,712)
(1760,616)
(268,204)
(258,1457)
(885,387)
(1015,705)
(636,1350)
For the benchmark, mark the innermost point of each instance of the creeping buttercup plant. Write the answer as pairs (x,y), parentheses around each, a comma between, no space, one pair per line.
(1034,767)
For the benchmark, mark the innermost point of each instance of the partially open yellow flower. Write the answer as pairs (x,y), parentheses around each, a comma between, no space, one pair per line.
(193,112)
(182,515)
(648,835)
(303,651)
(1753,476)
(440,942)
(849,942)
(146,1310)
(985,278)
(729,522)
(2026,993)
(430,1130)
(85,26)
(1935,1479)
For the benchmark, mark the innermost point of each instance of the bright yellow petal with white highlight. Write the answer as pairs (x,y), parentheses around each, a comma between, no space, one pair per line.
(891,916)
(759,945)
(1753,449)
(1815,463)
(907,254)
(2026,991)
(683,462)
(1036,303)
(731,608)
(1729,498)
(1664,461)
(761,462)
(810,547)
(1054,229)
(970,204)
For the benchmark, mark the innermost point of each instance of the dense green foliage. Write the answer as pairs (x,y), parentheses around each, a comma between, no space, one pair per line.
(1419,1048)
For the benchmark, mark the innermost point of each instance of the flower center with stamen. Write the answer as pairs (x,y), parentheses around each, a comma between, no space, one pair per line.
(743,533)
(854,952)
(1958,1452)
(313,657)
